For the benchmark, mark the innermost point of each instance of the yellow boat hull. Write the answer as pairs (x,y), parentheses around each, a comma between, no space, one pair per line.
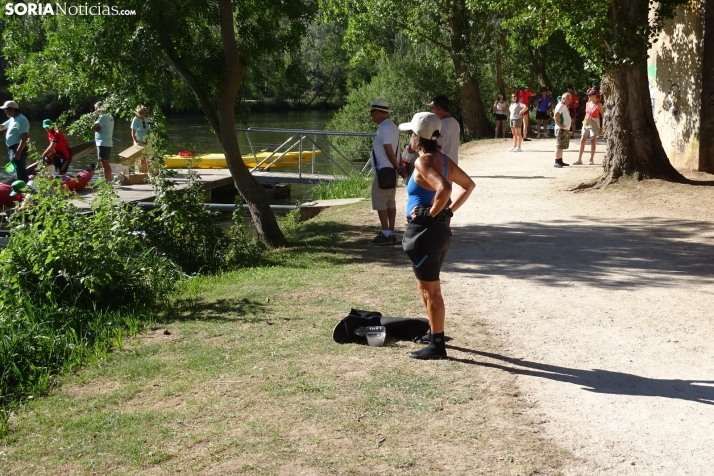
(218,161)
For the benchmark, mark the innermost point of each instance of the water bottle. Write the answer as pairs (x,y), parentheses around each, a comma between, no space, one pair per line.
(375,334)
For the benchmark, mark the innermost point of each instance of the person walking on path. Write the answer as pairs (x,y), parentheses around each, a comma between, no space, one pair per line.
(139,130)
(562,129)
(58,152)
(516,110)
(16,137)
(543,112)
(384,150)
(426,239)
(103,131)
(573,109)
(499,110)
(592,126)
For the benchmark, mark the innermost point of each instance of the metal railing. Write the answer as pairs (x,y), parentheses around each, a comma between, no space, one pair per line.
(298,137)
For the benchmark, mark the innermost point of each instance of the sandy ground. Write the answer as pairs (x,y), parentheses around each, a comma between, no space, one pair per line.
(601,303)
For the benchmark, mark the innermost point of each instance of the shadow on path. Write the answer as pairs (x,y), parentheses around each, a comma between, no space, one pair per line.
(616,254)
(600,381)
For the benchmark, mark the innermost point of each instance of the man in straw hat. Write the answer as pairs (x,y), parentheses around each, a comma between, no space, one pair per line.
(386,144)
(103,130)
(139,130)
(18,129)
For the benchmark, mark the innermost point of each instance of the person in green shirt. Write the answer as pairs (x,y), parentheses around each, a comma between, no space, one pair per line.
(18,129)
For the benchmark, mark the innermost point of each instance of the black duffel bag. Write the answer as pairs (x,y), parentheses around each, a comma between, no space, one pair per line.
(386,176)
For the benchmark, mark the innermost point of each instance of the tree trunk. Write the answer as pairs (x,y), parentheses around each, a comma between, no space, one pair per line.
(252,192)
(499,63)
(476,124)
(634,147)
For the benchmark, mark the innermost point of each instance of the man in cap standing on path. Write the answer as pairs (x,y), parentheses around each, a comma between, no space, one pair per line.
(18,128)
(386,144)
(103,130)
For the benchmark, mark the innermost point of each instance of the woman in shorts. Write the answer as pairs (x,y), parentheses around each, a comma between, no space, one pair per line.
(426,238)
(517,111)
(592,125)
(499,110)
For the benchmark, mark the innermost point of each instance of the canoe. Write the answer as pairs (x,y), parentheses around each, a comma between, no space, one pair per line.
(218,161)
(71,183)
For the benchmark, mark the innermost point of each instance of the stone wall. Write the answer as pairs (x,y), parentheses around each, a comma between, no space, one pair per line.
(675,71)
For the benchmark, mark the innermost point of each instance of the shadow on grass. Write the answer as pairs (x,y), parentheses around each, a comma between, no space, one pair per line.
(600,381)
(221,310)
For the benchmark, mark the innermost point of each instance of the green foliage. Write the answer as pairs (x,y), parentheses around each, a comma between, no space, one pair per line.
(408,81)
(71,285)
(352,186)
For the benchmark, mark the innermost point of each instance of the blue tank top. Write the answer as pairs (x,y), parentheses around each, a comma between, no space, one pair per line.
(418,195)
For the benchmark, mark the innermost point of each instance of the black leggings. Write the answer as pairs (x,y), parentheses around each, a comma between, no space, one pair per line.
(426,241)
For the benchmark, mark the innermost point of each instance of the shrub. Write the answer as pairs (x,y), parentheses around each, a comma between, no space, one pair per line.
(352,186)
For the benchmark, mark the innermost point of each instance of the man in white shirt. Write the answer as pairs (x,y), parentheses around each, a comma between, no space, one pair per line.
(562,129)
(384,156)
(450,128)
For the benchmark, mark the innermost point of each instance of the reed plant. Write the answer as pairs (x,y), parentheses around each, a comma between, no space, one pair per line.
(350,186)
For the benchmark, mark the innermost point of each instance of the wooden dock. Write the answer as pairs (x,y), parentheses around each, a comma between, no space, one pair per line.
(209,179)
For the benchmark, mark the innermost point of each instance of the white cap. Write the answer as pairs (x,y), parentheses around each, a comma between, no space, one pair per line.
(380,105)
(425,124)
(10,104)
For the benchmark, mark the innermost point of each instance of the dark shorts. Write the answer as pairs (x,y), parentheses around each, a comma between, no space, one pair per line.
(20,162)
(60,162)
(541,115)
(426,241)
(500,117)
(103,152)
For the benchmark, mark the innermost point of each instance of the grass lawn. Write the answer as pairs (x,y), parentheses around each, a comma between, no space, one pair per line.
(242,377)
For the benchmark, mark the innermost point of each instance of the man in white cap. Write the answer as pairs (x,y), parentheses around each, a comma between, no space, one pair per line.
(18,128)
(386,144)
(103,130)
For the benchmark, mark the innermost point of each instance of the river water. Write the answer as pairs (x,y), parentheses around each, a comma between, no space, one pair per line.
(191,132)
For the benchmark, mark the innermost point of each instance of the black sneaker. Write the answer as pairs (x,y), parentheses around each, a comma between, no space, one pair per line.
(430,352)
(380,239)
(558,165)
(394,239)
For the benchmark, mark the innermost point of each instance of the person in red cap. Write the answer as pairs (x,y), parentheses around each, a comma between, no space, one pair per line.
(57,152)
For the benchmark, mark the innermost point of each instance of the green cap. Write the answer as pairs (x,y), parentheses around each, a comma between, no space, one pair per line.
(47,123)
(18,186)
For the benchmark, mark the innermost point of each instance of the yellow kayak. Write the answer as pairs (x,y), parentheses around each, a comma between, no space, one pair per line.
(218,161)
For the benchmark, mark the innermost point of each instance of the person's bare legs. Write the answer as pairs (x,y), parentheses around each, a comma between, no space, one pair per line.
(384,218)
(391,218)
(517,138)
(503,129)
(583,139)
(107,170)
(430,292)
(592,150)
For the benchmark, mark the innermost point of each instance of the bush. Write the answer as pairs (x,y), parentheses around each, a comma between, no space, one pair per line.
(408,81)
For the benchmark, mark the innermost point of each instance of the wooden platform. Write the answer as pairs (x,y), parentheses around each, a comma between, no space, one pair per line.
(210,179)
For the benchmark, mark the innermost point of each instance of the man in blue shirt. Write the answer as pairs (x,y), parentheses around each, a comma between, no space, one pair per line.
(543,112)
(18,128)
(103,130)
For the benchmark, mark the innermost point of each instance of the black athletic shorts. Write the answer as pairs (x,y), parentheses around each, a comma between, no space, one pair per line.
(541,115)
(500,117)
(103,152)
(426,241)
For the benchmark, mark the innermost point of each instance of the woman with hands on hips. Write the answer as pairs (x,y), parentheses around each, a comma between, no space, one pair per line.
(426,238)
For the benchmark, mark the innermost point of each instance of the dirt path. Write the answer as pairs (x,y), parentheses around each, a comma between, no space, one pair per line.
(602,302)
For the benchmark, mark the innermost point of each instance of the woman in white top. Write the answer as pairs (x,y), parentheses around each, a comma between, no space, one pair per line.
(499,110)
(517,111)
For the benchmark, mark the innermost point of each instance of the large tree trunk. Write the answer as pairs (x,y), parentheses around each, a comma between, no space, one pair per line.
(476,124)
(252,192)
(634,147)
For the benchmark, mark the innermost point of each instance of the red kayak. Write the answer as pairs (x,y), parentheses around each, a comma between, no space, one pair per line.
(72,183)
